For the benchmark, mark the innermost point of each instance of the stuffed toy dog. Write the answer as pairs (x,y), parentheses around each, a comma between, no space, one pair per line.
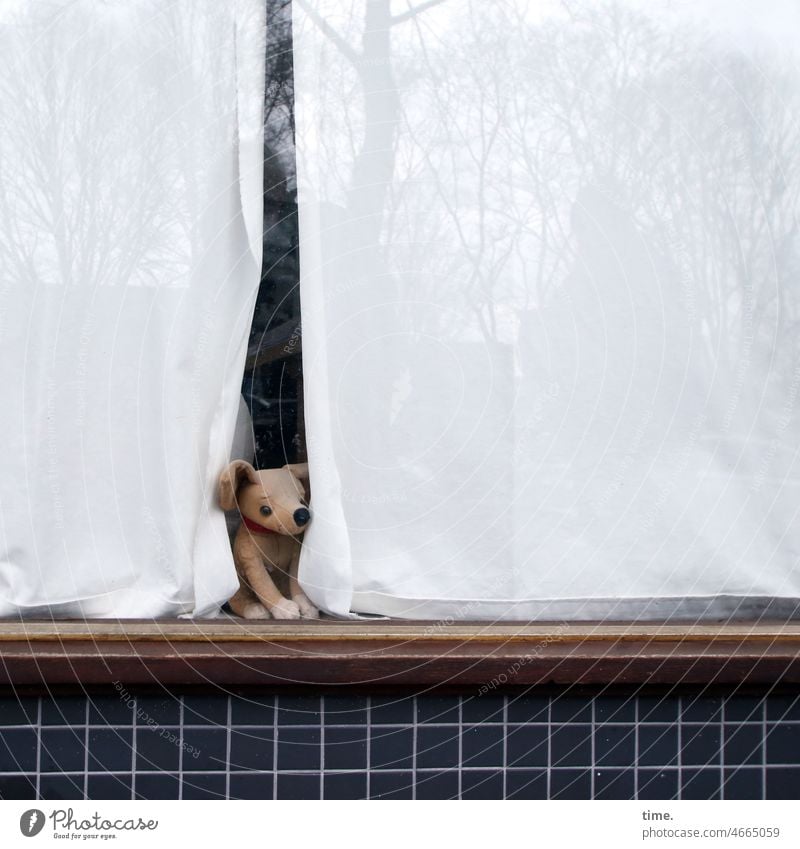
(274,511)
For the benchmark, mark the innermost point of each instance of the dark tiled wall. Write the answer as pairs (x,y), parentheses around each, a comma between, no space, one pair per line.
(529,746)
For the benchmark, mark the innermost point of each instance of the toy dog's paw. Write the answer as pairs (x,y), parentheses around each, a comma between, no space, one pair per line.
(307,609)
(285,609)
(255,611)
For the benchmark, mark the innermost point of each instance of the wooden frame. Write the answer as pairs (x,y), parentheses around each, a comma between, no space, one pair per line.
(477,657)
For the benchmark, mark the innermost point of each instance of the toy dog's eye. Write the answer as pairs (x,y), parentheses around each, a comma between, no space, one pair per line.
(266,511)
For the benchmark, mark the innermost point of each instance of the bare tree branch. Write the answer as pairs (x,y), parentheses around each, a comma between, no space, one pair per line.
(413,12)
(330,32)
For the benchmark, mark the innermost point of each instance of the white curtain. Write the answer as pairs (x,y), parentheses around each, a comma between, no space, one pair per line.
(551,300)
(130,250)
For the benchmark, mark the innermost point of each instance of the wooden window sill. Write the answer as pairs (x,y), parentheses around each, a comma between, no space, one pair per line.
(383,654)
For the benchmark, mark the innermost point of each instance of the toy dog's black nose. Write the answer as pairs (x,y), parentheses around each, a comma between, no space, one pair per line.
(301,517)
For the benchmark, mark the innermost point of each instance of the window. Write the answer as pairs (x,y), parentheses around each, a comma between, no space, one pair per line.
(444,649)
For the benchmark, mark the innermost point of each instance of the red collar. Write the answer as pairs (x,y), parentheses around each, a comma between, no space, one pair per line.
(255,528)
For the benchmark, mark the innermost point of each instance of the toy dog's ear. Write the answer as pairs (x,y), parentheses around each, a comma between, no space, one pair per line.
(231,479)
(300,471)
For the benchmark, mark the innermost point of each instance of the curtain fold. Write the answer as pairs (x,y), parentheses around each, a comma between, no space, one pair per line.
(130,246)
(549,258)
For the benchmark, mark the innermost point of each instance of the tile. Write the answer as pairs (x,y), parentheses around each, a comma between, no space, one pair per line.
(64,710)
(392,710)
(700,745)
(110,750)
(205,710)
(783,744)
(527,745)
(482,784)
(783,783)
(482,745)
(110,710)
(53,786)
(615,709)
(199,785)
(251,785)
(345,710)
(298,710)
(157,787)
(658,784)
(438,709)
(391,785)
(658,745)
(489,708)
(18,750)
(526,784)
(344,785)
(17,787)
(159,710)
(743,744)
(204,749)
(701,783)
(294,786)
(109,786)
(615,745)
(15,711)
(253,710)
(437,785)
(701,708)
(743,783)
(528,708)
(345,748)
(571,745)
(744,708)
(783,708)
(437,747)
(570,709)
(299,749)
(252,748)
(391,748)
(158,749)
(614,784)
(571,784)
(662,709)
(62,750)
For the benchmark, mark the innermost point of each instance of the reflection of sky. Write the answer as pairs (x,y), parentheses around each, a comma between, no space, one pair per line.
(774,26)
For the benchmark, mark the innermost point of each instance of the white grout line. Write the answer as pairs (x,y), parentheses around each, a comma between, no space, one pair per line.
(763,749)
(39,748)
(368,732)
(505,747)
(180,750)
(460,745)
(275,747)
(86,752)
(722,742)
(133,751)
(593,755)
(680,747)
(228,749)
(414,726)
(322,747)
(549,745)
(636,720)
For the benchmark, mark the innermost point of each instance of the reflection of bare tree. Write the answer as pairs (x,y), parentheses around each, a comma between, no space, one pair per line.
(89,193)
(373,163)
(481,125)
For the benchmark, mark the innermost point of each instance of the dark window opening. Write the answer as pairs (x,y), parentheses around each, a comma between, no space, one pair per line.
(272,385)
